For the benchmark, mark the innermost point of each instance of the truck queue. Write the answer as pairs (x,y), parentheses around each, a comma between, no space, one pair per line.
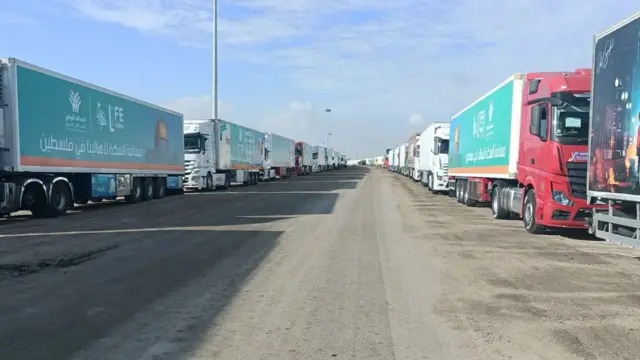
(554,149)
(67,142)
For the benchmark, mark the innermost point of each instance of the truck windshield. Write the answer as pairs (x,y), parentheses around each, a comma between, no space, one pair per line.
(442,146)
(192,143)
(571,125)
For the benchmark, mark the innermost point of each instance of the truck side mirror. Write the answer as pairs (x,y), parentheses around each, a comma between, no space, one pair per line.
(534,127)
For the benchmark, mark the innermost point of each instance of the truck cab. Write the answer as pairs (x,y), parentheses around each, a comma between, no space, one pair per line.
(200,156)
(434,153)
(552,161)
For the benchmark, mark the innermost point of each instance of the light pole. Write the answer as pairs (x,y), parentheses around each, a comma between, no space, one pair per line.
(214,94)
(326,143)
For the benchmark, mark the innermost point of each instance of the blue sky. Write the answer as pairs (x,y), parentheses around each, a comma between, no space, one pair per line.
(386,68)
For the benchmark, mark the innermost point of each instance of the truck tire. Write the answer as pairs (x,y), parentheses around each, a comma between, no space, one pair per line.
(60,200)
(160,190)
(136,192)
(209,182)
(147,189)
(466,199)
(227,181)
(497,211)
(529,214)
(432,186)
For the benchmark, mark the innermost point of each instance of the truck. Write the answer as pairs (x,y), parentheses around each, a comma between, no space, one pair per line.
(411,154)
(613,183)
(434,157)
(218,153)
(303,158)
(65,142)
(402,158)
(522,148)
(281,156)
(319,154)
(393,159)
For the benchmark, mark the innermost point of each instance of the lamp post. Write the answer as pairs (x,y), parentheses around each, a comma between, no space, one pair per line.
(214,90)
(326,143)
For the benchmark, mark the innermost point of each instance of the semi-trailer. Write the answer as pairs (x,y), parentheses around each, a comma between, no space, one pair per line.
(411,155)
(303,158)
(281,155)
(523,148)
(614,143)
(218,153)
(402,158)
(65,141)
(434,157)
(319,159)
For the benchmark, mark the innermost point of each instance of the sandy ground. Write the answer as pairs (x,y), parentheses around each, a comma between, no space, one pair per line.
(352,264)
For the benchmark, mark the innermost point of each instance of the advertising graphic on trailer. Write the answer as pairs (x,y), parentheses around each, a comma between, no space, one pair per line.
(615,135)
(64,124)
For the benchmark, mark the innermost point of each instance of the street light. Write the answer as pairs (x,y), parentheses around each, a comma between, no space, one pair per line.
(214,94)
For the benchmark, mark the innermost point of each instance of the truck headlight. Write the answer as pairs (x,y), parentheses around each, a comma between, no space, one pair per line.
(561,198)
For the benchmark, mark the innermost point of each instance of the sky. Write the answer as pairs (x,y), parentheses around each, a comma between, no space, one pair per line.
(386,69)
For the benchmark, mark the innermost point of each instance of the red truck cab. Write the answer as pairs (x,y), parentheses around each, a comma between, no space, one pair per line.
(299,150)
(552,161)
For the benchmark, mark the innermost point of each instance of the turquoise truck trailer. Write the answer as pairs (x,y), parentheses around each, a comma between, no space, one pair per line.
(65,141)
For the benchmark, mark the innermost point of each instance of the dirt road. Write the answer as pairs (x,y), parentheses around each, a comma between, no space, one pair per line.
(352,264)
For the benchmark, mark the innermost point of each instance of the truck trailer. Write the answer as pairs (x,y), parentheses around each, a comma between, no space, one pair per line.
(281,156)
(613,184)
(412,144)
(523,148)
(319,159)
(304,158)
(402,158)
(434,157)
(65,141)
(218,153)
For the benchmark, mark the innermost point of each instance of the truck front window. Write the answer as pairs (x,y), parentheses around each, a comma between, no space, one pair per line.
(191,144)
(571,125)
(443,147)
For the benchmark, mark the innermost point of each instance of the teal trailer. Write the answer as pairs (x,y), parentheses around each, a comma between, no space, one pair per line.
(65,141)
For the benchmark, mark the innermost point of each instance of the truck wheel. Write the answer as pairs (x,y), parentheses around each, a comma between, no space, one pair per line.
(209,182)
(467,200)
(227,181)
(497,211)
(529,216)
(136,192)
(147,193)
(160,190)
(60,200)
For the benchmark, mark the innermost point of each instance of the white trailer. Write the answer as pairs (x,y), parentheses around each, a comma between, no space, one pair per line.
(402,159)
(434,157)
(281,157)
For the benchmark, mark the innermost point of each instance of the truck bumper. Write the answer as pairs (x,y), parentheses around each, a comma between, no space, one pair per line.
(193,183)
(577,216)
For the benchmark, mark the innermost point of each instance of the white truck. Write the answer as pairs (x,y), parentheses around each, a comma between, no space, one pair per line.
(218,153)
(304,158)
(318,159)
(281,158)
(402,159)
(64,141)
(434,157)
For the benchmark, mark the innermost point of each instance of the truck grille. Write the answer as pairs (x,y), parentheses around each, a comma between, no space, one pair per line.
(578,179)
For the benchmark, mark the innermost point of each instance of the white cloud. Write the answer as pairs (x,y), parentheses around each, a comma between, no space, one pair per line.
(416,119)
(379,59)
